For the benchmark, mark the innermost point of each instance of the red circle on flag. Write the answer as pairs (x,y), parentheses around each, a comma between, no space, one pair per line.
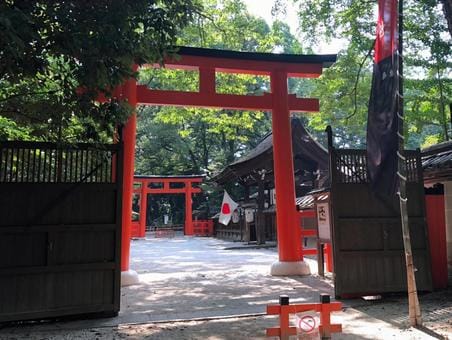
(225,209)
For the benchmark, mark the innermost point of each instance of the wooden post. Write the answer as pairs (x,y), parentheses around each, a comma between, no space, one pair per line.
(260,222)
(129,135)
(289,235)
(188,209)
(284,317)
(413,301)
(143,209)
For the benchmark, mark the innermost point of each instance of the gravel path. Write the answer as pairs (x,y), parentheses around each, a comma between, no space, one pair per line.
(196,288)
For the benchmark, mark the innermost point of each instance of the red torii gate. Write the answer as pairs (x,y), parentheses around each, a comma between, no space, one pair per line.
(208,61)
(165,185)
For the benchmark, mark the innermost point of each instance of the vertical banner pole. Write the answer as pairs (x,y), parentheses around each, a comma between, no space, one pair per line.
(413,301)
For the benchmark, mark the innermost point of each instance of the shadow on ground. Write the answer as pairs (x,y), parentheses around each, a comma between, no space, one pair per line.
(196,288)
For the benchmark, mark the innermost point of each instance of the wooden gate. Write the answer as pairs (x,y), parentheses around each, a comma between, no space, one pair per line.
(60,230)
(367,234)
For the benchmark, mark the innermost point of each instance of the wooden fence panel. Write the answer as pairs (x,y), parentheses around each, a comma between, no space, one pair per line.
(60,230)
(367,238)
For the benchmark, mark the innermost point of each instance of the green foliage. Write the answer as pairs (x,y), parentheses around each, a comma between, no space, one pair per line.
(174,140)
(9,130)
(427,67)
(49,50)
(343,99)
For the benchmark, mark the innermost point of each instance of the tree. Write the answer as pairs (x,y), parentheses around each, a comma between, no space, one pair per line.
(178,140)
(202,140)
(48,50)
(428,89)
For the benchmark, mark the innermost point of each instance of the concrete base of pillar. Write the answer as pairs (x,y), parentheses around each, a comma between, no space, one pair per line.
(129,278)
(280,268)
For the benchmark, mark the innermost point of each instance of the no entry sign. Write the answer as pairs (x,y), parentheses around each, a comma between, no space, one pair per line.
(307,323)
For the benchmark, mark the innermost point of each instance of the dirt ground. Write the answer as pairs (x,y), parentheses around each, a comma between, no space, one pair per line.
(199,288)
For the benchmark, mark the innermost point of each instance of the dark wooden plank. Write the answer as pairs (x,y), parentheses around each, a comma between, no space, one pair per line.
(3,164)
(101,310)
(22,250)
(68,203)
(57,268)
(11,167)
(56,228)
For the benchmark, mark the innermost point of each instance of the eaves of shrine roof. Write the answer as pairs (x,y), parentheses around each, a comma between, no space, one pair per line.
(305,147)
(437,162)
(325,59)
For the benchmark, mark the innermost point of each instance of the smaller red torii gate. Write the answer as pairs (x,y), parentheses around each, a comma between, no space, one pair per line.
(165,185)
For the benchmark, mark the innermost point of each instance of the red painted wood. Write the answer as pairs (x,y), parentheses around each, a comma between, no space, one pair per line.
(197,99)
(203,228)
(303,307)
(225,101)
(436,221)
(135,229)
(257,67)
(289,233)
(169,180)
(325,327)
(188,191)
(188,228)
(307,213)
(129,138)
(329,257)
(207,80)
(308,232)
(143,212)
(279,102)
(169,191)
(309,251)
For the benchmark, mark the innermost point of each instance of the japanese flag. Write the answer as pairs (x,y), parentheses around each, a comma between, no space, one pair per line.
(227,208)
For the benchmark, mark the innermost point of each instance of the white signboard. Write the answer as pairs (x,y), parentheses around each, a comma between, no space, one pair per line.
(249,215)
(323,221)
(235,216)
(272,197)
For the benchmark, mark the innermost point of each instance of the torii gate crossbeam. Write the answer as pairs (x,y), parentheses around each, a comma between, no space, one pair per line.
(279,67)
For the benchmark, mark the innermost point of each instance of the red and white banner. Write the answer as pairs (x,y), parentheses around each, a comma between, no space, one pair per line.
(382,121)
(227,208)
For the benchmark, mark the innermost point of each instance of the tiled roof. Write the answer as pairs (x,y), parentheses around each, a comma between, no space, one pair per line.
(261,157)
(437,162)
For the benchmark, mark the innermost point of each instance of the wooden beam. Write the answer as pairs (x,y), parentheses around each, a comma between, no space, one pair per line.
(168,191)
(147,96)
(256,67)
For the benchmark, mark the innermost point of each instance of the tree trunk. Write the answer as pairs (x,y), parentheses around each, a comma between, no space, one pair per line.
(447,9)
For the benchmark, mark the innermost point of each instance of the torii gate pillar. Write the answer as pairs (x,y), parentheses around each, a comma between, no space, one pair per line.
(128,277)
(188,211)
(288,226)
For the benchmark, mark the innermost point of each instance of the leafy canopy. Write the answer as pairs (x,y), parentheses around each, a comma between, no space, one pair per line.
(175,140)
(345,88)
(48,50)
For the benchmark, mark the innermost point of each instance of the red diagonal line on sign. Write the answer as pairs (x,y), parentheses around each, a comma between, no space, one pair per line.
(307,323)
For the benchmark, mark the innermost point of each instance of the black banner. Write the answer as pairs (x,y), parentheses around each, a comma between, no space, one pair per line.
(382,126)
(382,121)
